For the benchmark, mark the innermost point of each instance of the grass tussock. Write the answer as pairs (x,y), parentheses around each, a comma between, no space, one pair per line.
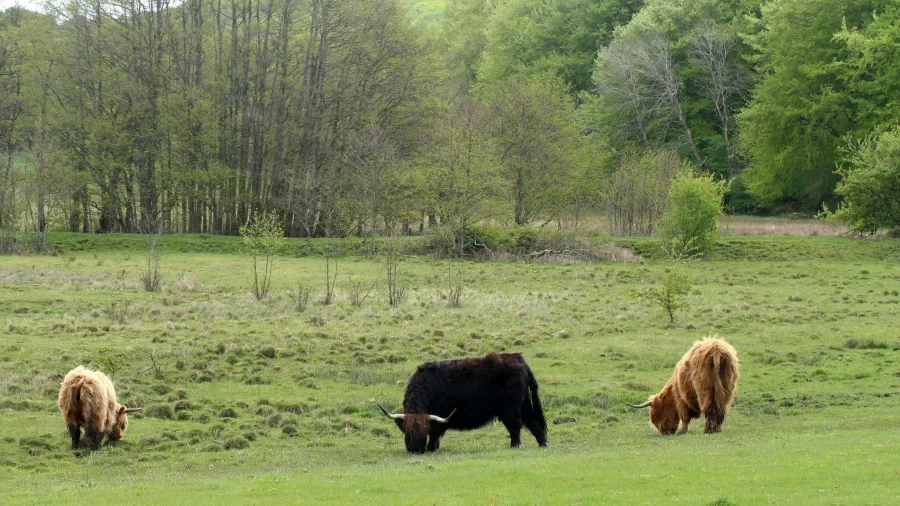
(865,344)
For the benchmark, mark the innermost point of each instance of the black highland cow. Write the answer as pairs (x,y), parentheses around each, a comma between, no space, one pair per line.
(467,394)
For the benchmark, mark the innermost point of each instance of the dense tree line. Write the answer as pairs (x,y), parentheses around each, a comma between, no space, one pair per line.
(362,116)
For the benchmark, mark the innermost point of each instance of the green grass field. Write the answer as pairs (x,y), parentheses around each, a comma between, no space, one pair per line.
(261,403)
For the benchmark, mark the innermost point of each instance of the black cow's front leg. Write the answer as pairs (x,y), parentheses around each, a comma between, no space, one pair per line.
(513,423)
(75,433)
(434,437)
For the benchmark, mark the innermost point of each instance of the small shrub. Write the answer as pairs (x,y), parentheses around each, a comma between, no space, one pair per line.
(695,204)
(487,238)
(670,295)
(870,184)
(300,297)
(396,293)
(454,291)
(110,361)
(152,277)
(355,291)
(263,239)
(117,312)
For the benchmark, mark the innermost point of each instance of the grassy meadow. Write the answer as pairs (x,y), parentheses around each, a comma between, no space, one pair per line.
(252,402)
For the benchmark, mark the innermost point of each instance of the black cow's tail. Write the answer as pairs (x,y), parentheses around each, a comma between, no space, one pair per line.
(536,400)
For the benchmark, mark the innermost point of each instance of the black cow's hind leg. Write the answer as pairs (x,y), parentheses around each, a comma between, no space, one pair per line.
(75,433)
(530,421)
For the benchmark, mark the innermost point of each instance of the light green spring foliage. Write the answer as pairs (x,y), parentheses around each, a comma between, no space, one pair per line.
(871,184)
(462,170)
(560,37)
(543,153)
(263,239)
(695,204)
(803,107)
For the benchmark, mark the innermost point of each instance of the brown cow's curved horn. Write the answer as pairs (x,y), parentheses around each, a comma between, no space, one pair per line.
(441,420)
(132,410)
(396,416)
(642,405)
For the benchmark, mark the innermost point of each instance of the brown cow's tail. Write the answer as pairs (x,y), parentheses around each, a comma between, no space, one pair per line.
(536,400)
(86,393)
(70,403)
(724,369)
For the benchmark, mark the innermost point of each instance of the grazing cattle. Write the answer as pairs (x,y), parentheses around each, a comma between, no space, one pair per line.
(87,398)
(466,394)
(704,381)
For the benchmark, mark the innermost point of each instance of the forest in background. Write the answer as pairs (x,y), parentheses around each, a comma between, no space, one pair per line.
(345,116)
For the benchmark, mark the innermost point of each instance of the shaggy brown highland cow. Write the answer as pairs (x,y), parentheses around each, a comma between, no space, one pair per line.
(704,381)
(88,398)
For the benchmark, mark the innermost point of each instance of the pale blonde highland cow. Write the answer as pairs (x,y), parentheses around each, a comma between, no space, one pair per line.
(87,398)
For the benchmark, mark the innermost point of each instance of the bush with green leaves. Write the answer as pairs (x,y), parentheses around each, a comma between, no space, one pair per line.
(695,204)
(263,239)
(671,294)
(871,184)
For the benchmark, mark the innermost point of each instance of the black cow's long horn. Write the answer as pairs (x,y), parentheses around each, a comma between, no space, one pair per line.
(642,405)
(439,419)
(397,416)
(132,410)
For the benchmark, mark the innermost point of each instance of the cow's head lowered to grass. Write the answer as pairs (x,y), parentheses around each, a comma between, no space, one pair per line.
(415,427)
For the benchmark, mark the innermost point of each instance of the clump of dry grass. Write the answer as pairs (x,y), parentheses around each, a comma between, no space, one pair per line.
(57,277)
(186,283)
(601,253)
(748,225)
(613,253)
